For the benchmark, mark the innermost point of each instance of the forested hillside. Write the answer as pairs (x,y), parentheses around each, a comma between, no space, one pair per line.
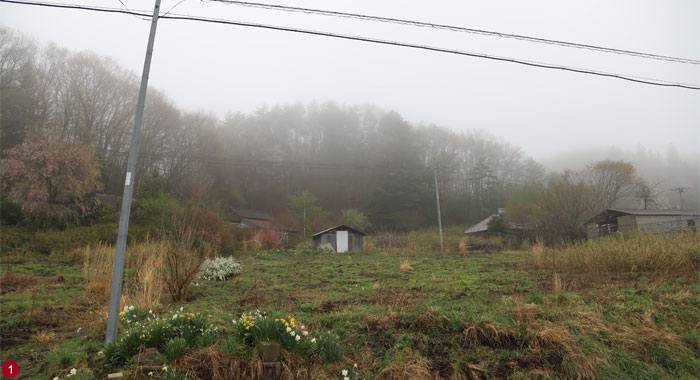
(359,157)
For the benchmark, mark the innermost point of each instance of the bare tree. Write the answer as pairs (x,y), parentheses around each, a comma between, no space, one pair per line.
(648,193)
(609,181)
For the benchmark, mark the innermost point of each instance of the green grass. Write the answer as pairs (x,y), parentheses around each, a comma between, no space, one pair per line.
(451,316)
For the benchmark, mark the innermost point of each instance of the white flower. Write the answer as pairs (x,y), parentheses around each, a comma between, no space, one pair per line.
(345,372)
(305,333)
(346,378)
(313,340)
(292,333)
(79,328)
(289,329)
(99,353)
(297,338)
(56,378)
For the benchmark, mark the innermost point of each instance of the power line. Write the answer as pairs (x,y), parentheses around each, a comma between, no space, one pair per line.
(457,29)
(636,79)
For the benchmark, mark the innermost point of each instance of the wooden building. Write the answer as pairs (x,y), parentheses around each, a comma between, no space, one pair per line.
(341,237)
(624,221)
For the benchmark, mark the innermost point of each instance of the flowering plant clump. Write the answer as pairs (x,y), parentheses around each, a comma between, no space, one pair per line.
(326,248)
(327,345)
(274,254)
(130,314)
(73,374)
(218,269)
(270,238)
(350,375)
(156,331)
(260,327)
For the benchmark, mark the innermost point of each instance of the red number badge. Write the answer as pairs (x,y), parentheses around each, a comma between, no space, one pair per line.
(10,369)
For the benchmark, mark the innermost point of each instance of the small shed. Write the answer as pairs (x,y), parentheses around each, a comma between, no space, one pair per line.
(625,221)
(343,238)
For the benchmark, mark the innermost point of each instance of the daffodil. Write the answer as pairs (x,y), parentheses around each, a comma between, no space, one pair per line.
(313,340)
(297,338)
(345,372)
(73,371)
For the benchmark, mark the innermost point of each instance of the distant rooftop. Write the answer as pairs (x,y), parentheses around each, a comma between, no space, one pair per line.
(251,214)
(614,212)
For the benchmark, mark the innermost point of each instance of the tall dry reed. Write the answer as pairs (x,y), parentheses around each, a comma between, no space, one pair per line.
(143,275)
(662,254)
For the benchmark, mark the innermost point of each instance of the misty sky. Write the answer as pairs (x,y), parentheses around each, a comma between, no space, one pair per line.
(219,68)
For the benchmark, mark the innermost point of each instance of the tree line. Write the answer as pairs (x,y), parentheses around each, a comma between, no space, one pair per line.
(337,157)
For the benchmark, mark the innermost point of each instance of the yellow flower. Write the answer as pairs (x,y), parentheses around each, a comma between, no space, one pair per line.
(121,313)
(150,373)
(165,368)
(209,315)
(182,315)
(247,327)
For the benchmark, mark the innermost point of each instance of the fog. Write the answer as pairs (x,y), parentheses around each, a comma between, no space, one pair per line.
(223,69)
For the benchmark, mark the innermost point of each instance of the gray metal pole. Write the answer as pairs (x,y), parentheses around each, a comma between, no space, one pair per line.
(118,273)
(304,219)
(437,196)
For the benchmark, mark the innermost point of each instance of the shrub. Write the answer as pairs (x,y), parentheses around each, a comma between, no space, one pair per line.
(270,238)
(306,248)
(175,348)
(218,269)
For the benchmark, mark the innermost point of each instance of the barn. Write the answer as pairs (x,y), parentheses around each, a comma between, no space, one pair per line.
(624,221)
(343,238)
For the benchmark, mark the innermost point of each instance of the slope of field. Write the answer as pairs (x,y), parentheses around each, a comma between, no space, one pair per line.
(402,316)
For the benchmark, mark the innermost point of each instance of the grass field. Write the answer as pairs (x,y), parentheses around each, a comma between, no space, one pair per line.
(399,316)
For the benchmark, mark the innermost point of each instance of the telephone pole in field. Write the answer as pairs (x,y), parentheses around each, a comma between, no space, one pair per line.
(118,272)
(437,197)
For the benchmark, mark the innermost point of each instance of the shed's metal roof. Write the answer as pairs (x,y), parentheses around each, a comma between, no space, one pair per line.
(481,226)
(340,225)
(251,214)
(601,216)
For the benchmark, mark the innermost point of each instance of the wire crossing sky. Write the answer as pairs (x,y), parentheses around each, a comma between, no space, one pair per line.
(204,64)
(642,80)
(457,29)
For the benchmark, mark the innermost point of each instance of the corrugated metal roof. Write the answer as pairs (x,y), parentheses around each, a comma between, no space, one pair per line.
(340,225)
(481,226)
(251,214)
(614,212)
(632,211)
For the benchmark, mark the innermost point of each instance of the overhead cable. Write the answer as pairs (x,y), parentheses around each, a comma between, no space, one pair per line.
(457,29)
(637,79)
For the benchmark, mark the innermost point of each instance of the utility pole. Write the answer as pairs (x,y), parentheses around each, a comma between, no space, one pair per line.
(437,197)
(680,191)
(304,219)
(118,273)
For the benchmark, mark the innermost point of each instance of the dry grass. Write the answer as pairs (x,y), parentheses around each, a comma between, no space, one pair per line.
(45,337)
(405,266)
(660,254)
(143,274)
(410,367)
